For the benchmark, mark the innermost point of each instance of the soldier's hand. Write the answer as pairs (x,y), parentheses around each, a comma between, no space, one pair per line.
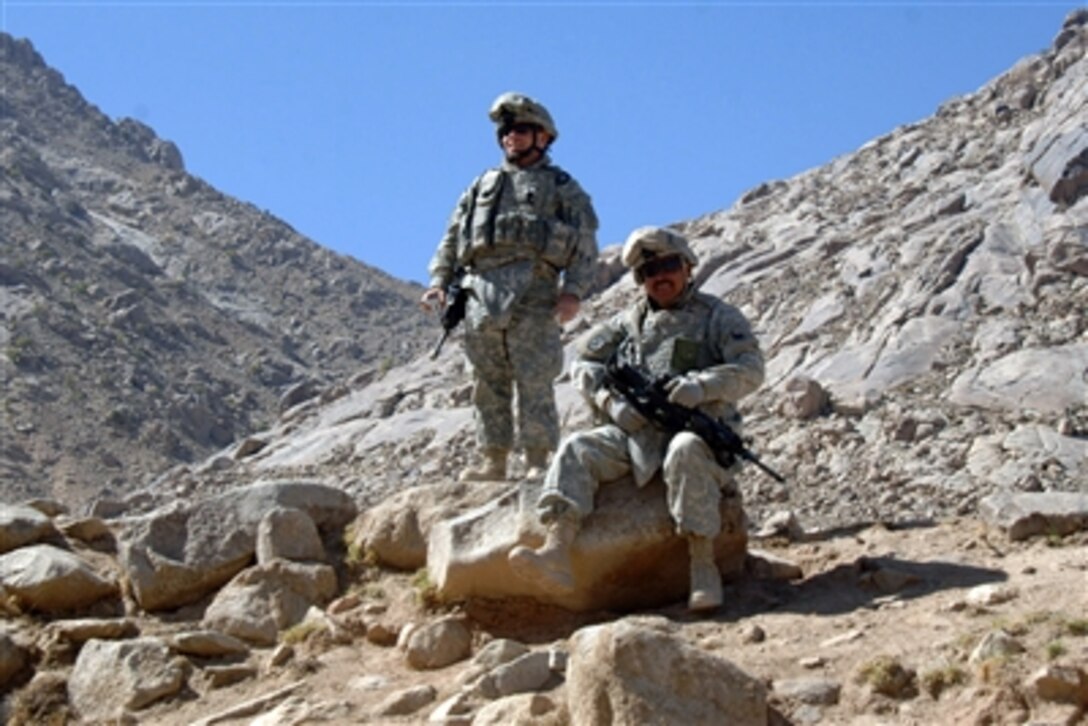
(433,299)
(685,391)
(567,307)
(622,413)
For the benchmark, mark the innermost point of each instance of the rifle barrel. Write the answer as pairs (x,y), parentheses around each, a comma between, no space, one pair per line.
(438,348)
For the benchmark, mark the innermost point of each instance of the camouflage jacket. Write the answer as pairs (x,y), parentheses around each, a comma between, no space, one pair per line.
(523,236)
(703,337)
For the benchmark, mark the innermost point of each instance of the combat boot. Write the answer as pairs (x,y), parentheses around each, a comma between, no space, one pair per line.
(706,580)
(492,466)
(536,463)
(548,566)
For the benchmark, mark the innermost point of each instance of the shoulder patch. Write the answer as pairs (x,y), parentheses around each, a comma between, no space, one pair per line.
(561,178)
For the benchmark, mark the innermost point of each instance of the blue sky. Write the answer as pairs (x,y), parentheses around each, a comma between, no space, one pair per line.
(359,123)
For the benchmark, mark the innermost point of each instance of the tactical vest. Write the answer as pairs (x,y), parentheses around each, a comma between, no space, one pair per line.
(532,193)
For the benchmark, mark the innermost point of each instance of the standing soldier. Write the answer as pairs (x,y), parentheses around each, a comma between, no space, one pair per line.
(524,234)
(708,352)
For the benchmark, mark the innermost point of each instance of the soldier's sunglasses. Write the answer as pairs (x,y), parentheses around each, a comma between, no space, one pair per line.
(518,128)
(659,266)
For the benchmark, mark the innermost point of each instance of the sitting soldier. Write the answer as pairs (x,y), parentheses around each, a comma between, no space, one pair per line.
(711,358)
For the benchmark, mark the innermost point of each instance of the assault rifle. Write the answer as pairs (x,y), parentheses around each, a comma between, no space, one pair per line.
(454,311)
(651,400)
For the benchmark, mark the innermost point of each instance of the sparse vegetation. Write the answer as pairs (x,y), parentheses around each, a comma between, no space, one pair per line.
(426,592)
(1078,627)
(1055,649)
(301,632)
(936,681)
(887,676)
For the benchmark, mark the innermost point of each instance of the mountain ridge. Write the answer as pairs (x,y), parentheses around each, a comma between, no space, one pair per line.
(125,282)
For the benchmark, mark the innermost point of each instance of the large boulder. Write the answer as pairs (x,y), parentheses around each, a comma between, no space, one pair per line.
(626,556)
(1026,514)
(635,673)
(48,579)
(22,525)
(179,554)
(395,531)
(110,678)
(261,601)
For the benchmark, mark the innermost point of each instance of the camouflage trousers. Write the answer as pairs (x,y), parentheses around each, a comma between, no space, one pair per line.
(514,372)
(694,481)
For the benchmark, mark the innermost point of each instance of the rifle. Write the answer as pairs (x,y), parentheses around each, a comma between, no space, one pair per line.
(454,312)
(650,399)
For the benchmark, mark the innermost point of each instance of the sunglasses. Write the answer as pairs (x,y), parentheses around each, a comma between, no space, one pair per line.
(659,266)
(518,128)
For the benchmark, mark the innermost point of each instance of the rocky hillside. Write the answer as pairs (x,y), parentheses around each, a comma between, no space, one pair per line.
(921,304)
(146,319)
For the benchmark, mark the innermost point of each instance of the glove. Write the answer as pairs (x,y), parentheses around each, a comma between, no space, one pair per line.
(620,411)
(685,391)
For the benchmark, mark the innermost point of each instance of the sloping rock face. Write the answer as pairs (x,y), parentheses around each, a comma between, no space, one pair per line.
(920,303)
(145,318)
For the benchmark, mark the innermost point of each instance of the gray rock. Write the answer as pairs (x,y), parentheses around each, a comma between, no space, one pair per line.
(177,555)
(207,644)
(1042,379)
(995,644)
(22,525)
(1029,514)
(52,580)
(261,601)
(438,644)
(529,672)
(633,674)
(407,701)
(83,629)
(112,677)
(289,534)
(814,691)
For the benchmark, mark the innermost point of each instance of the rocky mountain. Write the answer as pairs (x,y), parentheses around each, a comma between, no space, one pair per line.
(147,319)
(921,305)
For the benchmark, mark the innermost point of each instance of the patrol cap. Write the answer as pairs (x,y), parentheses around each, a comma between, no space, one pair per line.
(646,243)
(512,108)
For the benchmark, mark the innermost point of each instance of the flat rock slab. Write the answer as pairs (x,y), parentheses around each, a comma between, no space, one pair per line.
(1026,514)
(627,555)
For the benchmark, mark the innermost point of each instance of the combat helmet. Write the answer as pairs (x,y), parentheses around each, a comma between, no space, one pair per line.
(512,108)
(646,243)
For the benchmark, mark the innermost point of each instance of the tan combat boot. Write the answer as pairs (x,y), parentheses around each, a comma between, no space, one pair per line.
(706,580)
(492,466)
(536,463)
(548,566)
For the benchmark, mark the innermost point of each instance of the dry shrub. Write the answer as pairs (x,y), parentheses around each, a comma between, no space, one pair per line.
(887,676)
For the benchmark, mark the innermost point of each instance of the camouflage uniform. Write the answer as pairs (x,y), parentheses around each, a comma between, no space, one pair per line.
(523,236)
(702,336)
(711,359)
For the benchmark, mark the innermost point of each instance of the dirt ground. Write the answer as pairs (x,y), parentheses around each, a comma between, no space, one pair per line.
(872,602)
